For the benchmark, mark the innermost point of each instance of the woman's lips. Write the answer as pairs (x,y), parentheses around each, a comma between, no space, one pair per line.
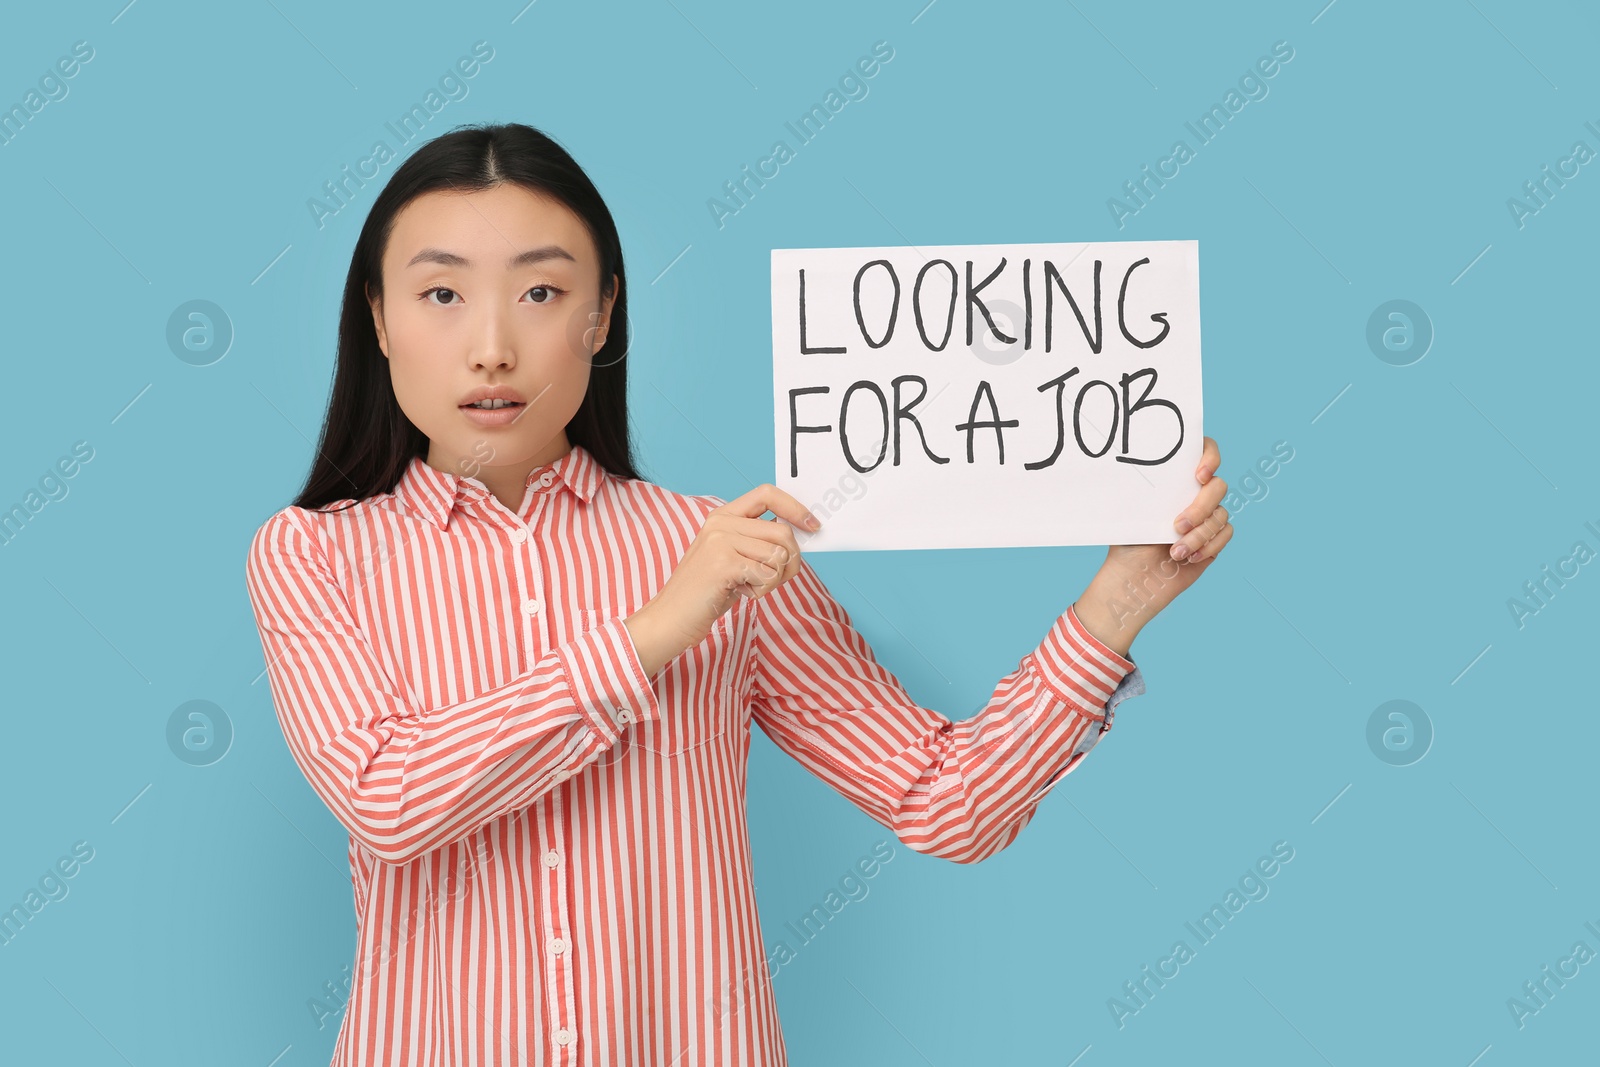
(501,416)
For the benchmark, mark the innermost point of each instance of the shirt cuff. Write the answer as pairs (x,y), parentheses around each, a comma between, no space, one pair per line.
(1080,668)
(607,680)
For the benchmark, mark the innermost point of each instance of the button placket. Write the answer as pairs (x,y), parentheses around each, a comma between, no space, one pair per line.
(560,999)
(530,584)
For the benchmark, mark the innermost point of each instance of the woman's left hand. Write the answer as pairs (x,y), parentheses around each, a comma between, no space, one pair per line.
(1202,527)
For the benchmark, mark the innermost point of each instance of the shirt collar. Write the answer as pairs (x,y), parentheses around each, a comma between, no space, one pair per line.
(435,494)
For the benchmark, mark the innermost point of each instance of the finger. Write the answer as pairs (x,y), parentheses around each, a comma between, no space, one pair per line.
(759,549)
(753,580)
(1197,538)
(1210,461)
(778,533)
(767,564)
(1214,546)
(768,497)
(1205,501)
(768,531)
(791,566)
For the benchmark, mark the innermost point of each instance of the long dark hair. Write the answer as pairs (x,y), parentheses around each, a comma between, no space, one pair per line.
(367,441)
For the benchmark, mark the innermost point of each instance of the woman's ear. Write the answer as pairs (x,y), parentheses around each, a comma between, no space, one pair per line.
(377,321)
(602,320)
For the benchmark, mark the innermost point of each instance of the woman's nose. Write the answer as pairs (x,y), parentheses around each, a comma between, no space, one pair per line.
(492,341)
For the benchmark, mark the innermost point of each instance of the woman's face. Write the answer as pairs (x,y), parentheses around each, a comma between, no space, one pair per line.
(496,288)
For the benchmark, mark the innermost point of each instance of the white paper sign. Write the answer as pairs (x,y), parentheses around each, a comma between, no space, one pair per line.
(988,396)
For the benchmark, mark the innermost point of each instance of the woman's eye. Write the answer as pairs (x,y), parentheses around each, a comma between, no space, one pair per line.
(546,293)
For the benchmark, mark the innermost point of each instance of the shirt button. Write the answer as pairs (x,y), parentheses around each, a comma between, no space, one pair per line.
(530,606)
(547,479)
(624,716)
(563,1036)
(557,945)
(551,858)
(519,535)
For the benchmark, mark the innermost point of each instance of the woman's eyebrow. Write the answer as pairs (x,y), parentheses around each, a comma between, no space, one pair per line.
(532,255)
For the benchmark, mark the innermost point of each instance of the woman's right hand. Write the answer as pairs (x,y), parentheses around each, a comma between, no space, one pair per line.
(736,553)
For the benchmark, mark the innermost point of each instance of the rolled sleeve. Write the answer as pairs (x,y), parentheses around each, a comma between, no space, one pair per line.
(1078,667)
(607,680)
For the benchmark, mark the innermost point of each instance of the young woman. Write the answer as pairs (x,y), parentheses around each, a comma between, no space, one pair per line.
(523,678)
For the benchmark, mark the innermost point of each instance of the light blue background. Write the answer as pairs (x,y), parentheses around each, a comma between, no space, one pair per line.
(1378,566)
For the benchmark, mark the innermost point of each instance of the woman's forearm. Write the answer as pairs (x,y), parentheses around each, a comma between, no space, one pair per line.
(1105,613)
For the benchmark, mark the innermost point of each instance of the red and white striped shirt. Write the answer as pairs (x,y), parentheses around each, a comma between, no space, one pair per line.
(548,848)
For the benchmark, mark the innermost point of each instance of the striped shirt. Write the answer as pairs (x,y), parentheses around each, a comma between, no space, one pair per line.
(548,849)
